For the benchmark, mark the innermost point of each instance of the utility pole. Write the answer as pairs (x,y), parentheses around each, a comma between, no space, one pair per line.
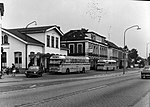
(124,52)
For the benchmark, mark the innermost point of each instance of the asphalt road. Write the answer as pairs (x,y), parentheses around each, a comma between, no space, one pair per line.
(114,91)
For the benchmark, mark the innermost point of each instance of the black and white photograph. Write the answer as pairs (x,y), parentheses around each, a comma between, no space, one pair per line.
(75,53)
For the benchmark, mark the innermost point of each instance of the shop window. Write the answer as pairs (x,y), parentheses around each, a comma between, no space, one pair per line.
(18,59)
(4,59)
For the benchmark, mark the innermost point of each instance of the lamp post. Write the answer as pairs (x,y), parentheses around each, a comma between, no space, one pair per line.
(31,23)
(124,58)
(27,41)
(147,52)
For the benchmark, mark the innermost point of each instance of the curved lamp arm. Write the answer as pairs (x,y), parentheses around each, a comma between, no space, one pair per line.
(31,23)
(138,28)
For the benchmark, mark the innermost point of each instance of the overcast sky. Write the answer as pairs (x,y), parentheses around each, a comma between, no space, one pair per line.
(108,18)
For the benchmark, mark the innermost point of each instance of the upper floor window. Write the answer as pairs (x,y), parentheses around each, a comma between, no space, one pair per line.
(71,47)
(93,37)
(63,45)
(52,41)
(80,48)
(5,39)
(57,42)
(48,41)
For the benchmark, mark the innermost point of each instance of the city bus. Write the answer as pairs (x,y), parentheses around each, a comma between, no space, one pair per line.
(106,65)
(68,64)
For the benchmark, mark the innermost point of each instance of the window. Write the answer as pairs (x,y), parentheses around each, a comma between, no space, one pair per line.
(48,41)
(57,42)
(52,39)
(93,37)
(71,47)
(18,59)
(2,39)
(80,48)
(4,57)
(5,39)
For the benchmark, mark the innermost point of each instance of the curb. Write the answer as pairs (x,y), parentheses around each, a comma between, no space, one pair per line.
(10,79)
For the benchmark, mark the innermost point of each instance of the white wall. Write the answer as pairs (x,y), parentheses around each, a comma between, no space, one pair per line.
(17,46)
(63,52)
(50,49)
(38,36)
(14,46)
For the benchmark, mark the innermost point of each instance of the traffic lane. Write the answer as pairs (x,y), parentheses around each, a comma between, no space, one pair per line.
(71,75)
(28,85)
(57,91)
(21,79)
(123,94)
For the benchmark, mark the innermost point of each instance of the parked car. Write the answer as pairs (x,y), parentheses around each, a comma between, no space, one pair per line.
(145,72)
(34,71)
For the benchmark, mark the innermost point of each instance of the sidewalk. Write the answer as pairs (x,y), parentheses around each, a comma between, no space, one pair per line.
(9,78)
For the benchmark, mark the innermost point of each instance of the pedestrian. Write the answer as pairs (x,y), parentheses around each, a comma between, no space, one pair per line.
(3,70)
(13,70)
(7,70)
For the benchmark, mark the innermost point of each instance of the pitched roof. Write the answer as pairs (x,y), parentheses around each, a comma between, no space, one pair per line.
(96,34)
(41,29)
(78,34)
(74,35)
(111,44)
(22,33)
(24,37)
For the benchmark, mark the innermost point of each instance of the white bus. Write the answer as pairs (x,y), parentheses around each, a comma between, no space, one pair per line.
(68,64)
(106,65)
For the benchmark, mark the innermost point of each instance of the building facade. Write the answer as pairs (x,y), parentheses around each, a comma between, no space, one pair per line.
(115,53)
(85,43)
(22,46)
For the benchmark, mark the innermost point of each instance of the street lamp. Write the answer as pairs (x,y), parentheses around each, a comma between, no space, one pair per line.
(26,38)
(147,52)
(138,28)
(31,23)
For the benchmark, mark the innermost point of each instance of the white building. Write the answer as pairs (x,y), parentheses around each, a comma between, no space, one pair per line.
(35,44)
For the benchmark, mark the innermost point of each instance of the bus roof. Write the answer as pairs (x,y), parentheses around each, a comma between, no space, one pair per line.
(107,60)
(68,57)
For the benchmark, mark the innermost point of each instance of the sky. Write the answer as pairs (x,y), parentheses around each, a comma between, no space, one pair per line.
(109,18)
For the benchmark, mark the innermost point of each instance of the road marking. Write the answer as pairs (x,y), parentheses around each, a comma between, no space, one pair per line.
(98,87)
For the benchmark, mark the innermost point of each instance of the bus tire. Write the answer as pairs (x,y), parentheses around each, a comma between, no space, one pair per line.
(67,70)
(83,70)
